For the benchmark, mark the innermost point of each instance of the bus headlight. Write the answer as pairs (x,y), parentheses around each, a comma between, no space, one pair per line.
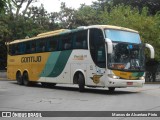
(141,78)
(113,76)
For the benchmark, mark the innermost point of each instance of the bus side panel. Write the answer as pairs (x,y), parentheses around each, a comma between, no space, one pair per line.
(81,61)
(58,67)
(34,64)
(13,65)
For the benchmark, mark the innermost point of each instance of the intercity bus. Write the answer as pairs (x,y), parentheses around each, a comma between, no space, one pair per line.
(89,56)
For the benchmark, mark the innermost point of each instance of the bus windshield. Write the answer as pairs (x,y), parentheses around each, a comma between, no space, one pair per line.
(123,36)
(128,52)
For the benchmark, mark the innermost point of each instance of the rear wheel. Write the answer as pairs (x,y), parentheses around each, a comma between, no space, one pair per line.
(44,84)
(19,78)
(81,82)
(26,79)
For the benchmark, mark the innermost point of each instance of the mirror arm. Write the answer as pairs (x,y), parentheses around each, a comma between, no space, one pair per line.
(151,50)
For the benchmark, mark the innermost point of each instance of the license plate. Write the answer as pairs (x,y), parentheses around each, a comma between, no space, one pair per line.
(129,83)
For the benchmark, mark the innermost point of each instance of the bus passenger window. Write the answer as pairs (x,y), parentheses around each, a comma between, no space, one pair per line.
(12,49)
(16,49)
(27,50)
(66,42)
(80,40)
(41,46)
(33,47)
(85,44)
(53,44)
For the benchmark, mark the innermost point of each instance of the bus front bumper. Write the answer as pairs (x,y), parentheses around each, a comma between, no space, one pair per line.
(124,83)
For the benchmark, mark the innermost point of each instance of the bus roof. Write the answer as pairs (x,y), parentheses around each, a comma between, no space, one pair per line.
(63,31)
(112,27)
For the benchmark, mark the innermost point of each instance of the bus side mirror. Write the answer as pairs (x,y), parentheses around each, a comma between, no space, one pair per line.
(152,52)
(109,45)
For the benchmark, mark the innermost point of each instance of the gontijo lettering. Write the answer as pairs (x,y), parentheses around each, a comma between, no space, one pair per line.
(31,59)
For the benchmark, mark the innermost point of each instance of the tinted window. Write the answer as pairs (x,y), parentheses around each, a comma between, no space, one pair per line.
(33,46)
(41,45)
(27,47)
(66,42)
(97,47)
(80,40)
(52,44)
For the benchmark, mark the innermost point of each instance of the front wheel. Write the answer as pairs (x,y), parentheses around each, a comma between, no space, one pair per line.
(111,89)
(81,82)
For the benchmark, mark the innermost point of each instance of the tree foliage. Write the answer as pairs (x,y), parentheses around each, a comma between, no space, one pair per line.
(2,4)
(125,16)
(141,15)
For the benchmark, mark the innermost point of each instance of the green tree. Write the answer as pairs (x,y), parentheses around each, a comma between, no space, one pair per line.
(16,6)
(86,15)
(66,16)
(152,5)
(2,5)
(126,16)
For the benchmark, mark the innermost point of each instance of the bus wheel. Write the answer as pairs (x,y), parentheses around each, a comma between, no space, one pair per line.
(19,78)
(81,82)
(44,84)
(111,89)
(52,84)
(26,79)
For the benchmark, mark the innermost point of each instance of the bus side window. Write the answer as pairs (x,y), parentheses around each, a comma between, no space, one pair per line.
(97,47)
(53,44)
(66,42)
(17,48)
(21,48)
(33,47)
(41,45)
(27,49)
(80,40)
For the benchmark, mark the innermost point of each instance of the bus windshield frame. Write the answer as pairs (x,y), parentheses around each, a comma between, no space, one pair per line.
(128,51)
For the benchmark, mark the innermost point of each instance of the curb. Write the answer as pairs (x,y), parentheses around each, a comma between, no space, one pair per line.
(152,82)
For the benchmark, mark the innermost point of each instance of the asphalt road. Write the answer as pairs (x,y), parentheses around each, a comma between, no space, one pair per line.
(14,97)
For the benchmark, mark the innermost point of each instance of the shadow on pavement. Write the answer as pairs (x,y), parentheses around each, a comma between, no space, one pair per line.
(87,90)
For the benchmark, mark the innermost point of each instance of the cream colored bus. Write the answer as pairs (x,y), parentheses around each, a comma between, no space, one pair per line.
(89,56)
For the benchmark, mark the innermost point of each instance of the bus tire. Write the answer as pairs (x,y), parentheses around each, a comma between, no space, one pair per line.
(111,89)
(19,78)
(44,84)
(26,79)
(52,84)
(81,82)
